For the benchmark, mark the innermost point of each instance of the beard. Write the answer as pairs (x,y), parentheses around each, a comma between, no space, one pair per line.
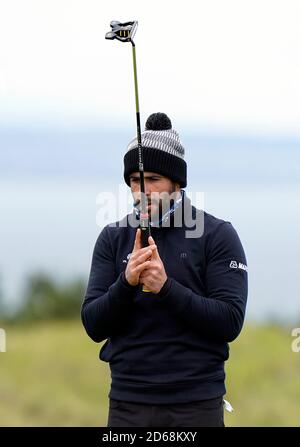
(159,203)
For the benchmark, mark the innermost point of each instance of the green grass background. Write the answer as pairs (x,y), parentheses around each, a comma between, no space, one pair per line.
(51,376)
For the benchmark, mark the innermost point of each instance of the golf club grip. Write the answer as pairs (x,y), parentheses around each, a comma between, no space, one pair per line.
(145,233)
(144,238)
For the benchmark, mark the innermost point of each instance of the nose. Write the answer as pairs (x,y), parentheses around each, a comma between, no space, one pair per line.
(147,188)
(147,194)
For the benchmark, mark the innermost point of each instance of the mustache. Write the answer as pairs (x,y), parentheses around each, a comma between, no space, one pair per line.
(149,202)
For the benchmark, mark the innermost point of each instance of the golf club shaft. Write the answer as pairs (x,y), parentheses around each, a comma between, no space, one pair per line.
(124,32)
(144,216)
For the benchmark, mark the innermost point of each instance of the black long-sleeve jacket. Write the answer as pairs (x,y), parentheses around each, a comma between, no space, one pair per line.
(168,347)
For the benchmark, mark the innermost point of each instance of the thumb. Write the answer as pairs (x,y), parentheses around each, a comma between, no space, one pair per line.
(137,241)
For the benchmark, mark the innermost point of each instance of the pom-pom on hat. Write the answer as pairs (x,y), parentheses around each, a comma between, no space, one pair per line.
(162,151)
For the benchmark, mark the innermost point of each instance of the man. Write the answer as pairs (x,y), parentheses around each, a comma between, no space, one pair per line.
(166,346)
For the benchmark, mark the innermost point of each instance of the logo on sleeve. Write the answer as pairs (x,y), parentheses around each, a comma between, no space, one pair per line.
(238,265)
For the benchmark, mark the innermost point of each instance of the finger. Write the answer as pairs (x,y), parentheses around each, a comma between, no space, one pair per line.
(143,275)
(137,241)
(145,278)
(146,283)
(151,240)
(141,251)
(155,254)
(146,273)
(139,268)
(143,257)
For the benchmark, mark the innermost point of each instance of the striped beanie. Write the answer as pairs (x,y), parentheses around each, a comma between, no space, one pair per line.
(163,152)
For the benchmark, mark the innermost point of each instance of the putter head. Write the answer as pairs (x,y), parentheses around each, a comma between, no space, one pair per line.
(122,31)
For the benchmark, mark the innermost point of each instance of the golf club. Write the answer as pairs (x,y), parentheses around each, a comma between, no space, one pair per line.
(125,32)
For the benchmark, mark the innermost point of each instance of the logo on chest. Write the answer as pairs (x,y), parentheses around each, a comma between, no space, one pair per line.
(127,258)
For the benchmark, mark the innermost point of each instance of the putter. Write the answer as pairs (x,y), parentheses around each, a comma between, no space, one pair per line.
(125,32)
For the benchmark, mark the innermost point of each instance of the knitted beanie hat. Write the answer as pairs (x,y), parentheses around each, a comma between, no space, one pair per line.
(163,152)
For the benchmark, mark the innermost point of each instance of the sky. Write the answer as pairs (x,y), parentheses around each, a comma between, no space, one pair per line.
(231,65)
(226,72)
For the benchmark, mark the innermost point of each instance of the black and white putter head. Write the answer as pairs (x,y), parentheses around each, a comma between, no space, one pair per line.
(122,31)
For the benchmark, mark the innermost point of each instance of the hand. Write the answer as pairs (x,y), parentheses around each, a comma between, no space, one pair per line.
(139,260)
(153,275)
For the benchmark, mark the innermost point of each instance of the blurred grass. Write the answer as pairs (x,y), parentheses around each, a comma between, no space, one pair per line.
(51,376)
(263,378)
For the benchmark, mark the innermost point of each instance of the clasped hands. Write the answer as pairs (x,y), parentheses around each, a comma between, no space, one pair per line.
(145,266)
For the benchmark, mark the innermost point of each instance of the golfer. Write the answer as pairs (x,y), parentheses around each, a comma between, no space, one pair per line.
(167,311)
